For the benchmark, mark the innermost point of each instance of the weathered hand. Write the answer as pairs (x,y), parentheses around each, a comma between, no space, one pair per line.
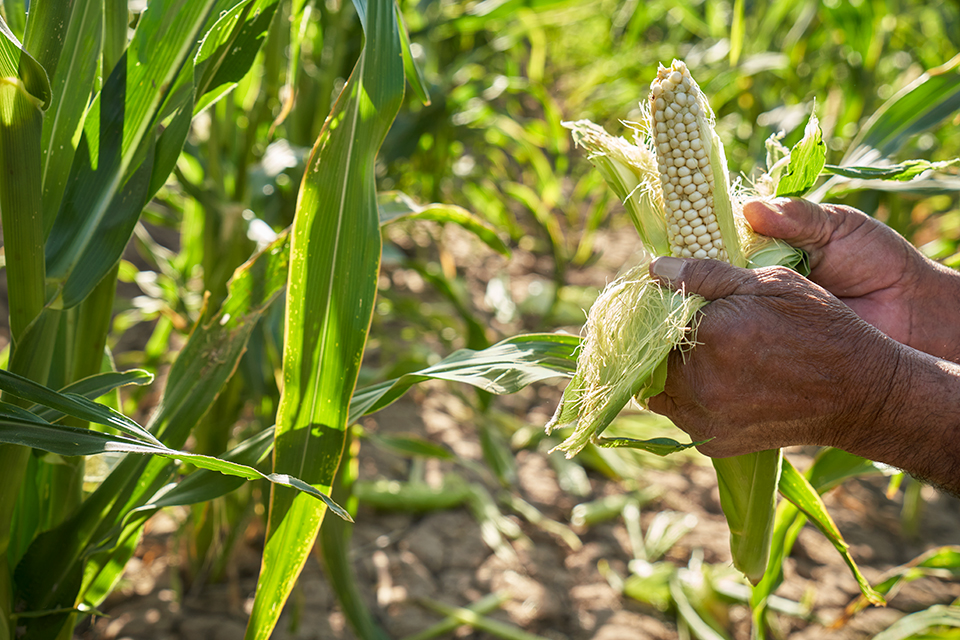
(871,269)
(779,361)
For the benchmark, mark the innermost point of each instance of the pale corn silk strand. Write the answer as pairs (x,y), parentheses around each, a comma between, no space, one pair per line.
(631,328)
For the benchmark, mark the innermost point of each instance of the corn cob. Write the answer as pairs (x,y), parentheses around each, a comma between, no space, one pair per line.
(673,180)
(693,171)
(684,163)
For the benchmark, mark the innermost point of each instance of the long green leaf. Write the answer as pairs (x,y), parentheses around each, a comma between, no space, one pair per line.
(943,562)
(396,206)
(71,441)
(831,467)
(72,84)
(504,368)
(107,186)
(939,615)
(24,93)
(330,295)
(906,170)
(798,490)
(410,67)
(229,49)
(201,485)
(72,405)
(535,356)
(919,106)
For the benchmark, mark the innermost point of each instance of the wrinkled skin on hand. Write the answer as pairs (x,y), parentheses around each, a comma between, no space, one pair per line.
(778,361)
(861,357)
(872,269)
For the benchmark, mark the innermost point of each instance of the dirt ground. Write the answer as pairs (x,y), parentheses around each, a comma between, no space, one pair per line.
(553,590)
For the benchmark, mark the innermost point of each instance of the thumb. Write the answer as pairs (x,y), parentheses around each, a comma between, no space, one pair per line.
(799,222)
(711,279)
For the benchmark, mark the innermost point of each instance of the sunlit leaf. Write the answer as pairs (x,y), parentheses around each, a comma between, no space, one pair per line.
(906,170)
(396,206)
(506,367)
(70,441)
(111,172)
(330,295)
(807,158)
(798,490)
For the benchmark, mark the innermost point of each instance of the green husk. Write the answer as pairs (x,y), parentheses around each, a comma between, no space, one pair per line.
(631,171)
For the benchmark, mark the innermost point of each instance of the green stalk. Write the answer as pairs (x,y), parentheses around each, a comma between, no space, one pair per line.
(21,122)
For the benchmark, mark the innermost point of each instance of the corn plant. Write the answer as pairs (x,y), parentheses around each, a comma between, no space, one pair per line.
(85,158)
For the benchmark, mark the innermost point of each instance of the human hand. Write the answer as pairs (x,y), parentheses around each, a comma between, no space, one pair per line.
(871,269)
(778,361)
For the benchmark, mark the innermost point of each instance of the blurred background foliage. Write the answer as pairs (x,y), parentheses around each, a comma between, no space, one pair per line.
(502,76)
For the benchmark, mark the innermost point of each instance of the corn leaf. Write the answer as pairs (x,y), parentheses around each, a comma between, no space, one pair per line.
(110,175)
(229,49)
(736,33)
(330,294)
(411,69)
(806,161)
(71,441)
(15,13)
(921,105)
(943,562)
(906,170)
(395,206)
(831,467)
(798,490)
(72,84)
(206,484)
(689,614)
(334,546)
(51,573)
(476,621)
(199,486)
(24,94)
(939,615)
(72,405)
(504,368)
(16,62)
(410,447)
(918,107)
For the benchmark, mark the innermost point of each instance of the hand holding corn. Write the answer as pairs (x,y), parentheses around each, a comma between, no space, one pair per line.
(780,361)
(871,269)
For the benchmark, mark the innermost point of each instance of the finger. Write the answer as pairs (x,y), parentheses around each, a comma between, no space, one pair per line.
(711,279)
(662,404)
(801,223)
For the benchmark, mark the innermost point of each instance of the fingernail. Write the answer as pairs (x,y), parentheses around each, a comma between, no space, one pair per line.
(667,268)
